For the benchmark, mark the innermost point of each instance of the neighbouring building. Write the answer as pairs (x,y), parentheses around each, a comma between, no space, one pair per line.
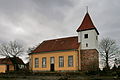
(11,64)
(69,53)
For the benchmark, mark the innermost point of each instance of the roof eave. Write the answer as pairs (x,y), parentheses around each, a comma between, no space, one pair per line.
(53,51)
(89,29)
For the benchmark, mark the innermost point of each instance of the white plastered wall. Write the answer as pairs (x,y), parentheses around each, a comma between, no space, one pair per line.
(91,40)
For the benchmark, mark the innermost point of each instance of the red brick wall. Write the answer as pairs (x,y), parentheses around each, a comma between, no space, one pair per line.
(89,60)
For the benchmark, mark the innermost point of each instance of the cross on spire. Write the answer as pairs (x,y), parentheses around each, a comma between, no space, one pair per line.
(87,9)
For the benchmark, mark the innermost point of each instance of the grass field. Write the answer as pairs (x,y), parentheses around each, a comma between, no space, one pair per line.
(60,76)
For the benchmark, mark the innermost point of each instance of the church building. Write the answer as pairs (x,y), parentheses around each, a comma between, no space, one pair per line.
(76,53)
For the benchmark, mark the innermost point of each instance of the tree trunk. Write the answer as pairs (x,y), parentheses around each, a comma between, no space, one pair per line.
(107,63)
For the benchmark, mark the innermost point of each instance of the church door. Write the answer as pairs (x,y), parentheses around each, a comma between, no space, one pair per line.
(52,64)
(7,68)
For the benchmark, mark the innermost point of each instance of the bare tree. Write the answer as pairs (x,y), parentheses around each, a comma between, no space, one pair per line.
(108,49)
(117,62)
(30,49)
(11,49)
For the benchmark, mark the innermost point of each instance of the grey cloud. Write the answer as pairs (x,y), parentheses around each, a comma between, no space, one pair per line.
(36,20)
(53,9)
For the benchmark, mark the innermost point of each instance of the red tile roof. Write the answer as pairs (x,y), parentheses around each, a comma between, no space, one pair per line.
(17,60)
(11,60)
(5,61)
(87,24)
(58,44)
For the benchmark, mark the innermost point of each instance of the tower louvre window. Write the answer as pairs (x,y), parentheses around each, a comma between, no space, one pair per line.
(85,36)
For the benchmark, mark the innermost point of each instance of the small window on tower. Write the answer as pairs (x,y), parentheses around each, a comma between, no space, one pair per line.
(86,36)
(96,37)
(86,44)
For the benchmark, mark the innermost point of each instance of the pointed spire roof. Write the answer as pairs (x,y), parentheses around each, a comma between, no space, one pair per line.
(87,24)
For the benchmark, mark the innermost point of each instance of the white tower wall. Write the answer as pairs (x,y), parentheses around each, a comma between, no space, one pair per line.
(88,43)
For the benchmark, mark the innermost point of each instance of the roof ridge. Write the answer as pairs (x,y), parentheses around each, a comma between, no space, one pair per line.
(61,38)
(2,58)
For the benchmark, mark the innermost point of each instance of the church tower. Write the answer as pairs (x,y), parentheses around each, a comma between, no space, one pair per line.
(88,34)
(88,39)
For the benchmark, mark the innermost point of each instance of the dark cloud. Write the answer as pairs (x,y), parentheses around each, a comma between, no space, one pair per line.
(36,20)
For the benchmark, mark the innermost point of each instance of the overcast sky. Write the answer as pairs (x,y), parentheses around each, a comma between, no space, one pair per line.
(33,21)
